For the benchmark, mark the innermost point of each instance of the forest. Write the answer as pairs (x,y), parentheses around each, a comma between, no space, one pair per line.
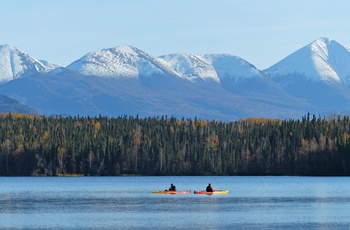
(91,146)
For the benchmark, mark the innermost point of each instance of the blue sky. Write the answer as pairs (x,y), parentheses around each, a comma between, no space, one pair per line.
(259,31)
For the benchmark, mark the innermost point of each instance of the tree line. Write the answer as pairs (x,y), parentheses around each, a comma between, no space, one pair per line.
(41,145)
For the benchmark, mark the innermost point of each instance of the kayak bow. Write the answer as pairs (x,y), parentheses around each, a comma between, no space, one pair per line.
(211,193)
(172,192)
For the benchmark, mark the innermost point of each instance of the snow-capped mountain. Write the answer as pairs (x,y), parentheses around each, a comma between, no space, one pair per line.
(192,67)
(323,60)
(127,81)
(228,70)
(231,73)
(15,63)
(122,61)
(318,73)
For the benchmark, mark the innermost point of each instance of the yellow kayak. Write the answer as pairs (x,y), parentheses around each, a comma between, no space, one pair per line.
(212,193)
(172,192)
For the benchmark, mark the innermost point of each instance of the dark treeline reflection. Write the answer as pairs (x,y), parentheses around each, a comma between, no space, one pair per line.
(39,145)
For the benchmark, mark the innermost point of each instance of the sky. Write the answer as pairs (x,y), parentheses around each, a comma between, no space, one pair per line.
(262,32)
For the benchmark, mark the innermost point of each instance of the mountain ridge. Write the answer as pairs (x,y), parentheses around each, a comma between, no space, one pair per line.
(121,61)
(127,81)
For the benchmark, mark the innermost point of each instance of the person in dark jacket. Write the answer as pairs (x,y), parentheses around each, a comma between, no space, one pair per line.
(209,188)
(172,187)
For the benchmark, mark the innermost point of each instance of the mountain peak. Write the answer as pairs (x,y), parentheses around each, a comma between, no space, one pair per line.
(6,46)
(127,49)
(322,46)
(120,61)
(323,39)
(16,64)
(322,60)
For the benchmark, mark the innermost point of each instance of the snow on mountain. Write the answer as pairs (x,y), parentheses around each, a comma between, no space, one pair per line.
(323,60)
(232,67)
(242,78)
(318,73)
(215,67)
(192,67)
(50,65)
(122,61)
(15,63)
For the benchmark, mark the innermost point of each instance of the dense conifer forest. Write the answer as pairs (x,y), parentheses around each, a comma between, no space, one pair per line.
(39,145)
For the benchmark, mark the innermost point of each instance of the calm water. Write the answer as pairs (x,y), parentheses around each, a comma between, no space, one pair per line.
(127,203)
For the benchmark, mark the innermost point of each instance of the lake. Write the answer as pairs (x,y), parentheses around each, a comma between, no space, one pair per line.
(127,203)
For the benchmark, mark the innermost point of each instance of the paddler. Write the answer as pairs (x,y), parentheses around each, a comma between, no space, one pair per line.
(172,187)
(209,188)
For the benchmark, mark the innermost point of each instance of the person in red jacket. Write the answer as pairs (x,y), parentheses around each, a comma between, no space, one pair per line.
(209,188)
